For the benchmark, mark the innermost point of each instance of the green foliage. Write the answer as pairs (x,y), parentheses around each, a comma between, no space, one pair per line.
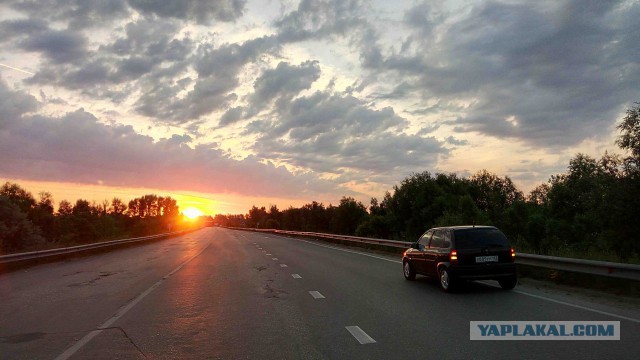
(27,224)
(16,231)
(629,138)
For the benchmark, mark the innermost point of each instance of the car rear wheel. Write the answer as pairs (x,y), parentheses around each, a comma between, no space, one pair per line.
(509,283)
(408,271)
(447,283)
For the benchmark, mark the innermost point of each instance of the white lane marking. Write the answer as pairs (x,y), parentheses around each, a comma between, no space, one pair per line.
(360,335)
(349,251)
(296,276)
(283,265)
(564,303)
(123,310)
(264,251)
(316,295)
(274,259)
(516,291)
(268,254)
(576,306)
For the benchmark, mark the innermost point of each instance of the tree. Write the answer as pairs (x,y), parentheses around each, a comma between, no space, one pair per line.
(348,215)
(117,207)
(629,138)
(257,217)
(42,215)
(65,208)
(17,233)
(19,196)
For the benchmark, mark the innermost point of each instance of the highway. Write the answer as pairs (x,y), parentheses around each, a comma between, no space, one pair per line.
(227,294)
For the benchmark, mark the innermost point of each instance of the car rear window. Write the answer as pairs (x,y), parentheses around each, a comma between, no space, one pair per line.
(474,238)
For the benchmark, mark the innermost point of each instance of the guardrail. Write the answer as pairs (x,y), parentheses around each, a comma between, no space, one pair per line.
(34,256)
(604,268)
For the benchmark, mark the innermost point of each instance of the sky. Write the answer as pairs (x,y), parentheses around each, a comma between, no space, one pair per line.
(232,103)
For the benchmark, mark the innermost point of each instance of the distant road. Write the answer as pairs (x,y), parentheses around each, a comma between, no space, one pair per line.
(226,294)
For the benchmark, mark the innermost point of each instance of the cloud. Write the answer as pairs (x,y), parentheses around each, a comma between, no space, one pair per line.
(320,19)
(200,11)
(217,69)
(282,83)
(59,46)
(147,54)
(76,147)
(340,134)
(549,74)
(14,104)
(78,14)
(10,29)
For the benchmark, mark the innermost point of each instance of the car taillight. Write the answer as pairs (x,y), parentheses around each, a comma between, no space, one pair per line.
(453,255)
(513,254)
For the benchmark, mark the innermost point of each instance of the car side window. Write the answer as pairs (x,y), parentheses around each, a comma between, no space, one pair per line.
(423,243)
(437,240)
(447,240)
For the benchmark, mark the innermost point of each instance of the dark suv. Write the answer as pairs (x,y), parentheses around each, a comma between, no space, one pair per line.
(457,253)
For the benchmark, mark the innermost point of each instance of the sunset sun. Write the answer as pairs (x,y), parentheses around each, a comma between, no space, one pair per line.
(192,213)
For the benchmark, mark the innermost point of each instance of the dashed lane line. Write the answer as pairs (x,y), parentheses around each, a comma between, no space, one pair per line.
(316,295)
(360,335)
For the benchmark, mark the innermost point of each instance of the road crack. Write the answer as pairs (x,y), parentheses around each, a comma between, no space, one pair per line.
(128,338)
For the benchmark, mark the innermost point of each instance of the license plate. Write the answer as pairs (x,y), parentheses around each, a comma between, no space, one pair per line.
(484,259)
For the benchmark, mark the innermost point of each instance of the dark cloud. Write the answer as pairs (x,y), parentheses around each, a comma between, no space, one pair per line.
(218,70)
(77,14)
(285,81)
(231,116)
(458,142)
(340,134)
(282,83)
(59,46)
(13,104)
(323,112)
(320,19)
(201,11)
(229,58)
(148,54)
(10,29)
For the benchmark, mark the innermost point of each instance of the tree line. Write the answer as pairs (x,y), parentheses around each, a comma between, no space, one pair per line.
(591,210)
(27,223)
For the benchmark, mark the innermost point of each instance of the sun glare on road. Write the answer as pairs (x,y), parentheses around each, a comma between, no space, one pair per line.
(192,213)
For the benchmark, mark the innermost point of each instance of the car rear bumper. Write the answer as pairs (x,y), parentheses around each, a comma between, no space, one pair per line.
(483,271)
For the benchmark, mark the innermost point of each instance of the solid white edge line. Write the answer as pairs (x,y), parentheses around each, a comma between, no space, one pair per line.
(316,295)
(516,291)
(123,310)
(576,306)
(360,335)
(349,251)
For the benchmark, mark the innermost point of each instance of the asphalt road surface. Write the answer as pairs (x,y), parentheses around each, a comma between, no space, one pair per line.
(226,294)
